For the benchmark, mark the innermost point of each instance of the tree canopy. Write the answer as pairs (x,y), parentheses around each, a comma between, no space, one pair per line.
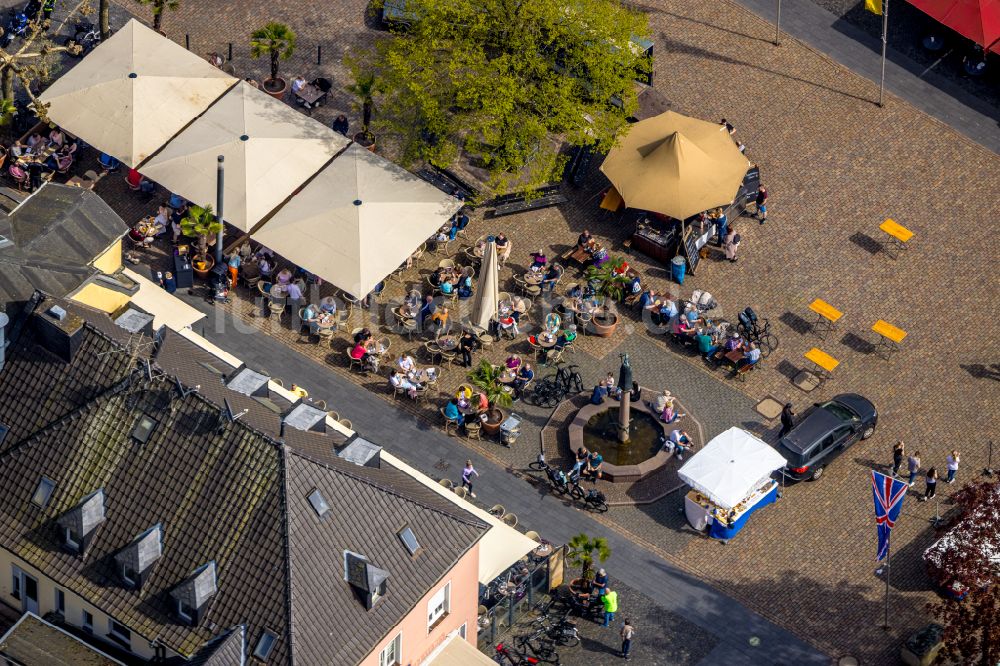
(506,79)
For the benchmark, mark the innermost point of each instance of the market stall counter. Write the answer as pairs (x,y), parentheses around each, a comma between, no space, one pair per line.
(730,479)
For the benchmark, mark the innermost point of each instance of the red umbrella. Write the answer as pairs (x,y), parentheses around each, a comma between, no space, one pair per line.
(979,20)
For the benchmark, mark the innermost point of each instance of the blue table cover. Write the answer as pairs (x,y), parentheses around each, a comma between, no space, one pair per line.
(719,531)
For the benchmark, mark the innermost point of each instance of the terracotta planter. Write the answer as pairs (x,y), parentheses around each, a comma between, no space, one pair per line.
(491,426)
(202,273)
(604,326)
(275,87)
(365,141)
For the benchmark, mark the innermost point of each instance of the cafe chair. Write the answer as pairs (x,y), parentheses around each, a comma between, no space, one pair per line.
(473,430)
(448,423)
(446,483)
(276,306)
(346,423)
(352,362)
(320,404)
(510,520)
(534,536)
(498,511)
(461,492)
(446,263)
(333,415)
(19,175)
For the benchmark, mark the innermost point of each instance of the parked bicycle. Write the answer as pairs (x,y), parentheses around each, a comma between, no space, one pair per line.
(505,654)
(551,390)
(559,480)
(595,499)
(756,329)
(537,644)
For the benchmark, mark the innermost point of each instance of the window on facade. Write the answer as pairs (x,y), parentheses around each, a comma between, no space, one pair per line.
(438,606)
(185,612)
(391,654)
(15,587)
(265,645)
(88,622)
(129,576)
(73,540)
(462,630)
(120,633)
(60,601)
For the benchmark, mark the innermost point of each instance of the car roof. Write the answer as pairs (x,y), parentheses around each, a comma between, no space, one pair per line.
(814,426)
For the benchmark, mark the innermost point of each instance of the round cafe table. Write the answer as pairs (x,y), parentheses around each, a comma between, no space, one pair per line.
(546,342)
(534,277)
(278,290)
(448,342)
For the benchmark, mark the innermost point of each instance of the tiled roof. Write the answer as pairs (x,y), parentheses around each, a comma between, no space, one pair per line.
(229,649)
(34,641)
(222,492)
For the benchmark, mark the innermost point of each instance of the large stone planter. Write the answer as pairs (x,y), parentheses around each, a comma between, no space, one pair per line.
(276,88)
(619,473)
(604,326)
(491,426)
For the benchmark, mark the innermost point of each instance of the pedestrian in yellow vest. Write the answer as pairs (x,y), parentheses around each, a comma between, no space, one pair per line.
(610,601)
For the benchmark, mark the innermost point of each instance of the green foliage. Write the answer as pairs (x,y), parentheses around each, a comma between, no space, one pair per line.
(584,549)
(7,110)
(158,8)
(274,40)
(608,283)
(506,80)
(201,224)
(486,378)
(364,88)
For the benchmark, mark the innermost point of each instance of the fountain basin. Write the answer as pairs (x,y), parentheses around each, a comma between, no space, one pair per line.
(590,419)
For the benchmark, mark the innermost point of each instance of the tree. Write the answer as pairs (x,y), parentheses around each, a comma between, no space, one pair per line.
(486,378)
(505,80)
(159,6)
(364,88)
(104,20)
(582,551)
(274,40)
(201,224)
(972,625)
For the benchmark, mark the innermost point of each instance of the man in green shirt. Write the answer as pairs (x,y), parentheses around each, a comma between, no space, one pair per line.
(706,345)
(610,601)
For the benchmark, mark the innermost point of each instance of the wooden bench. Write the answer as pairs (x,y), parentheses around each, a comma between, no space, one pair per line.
(578,165)
(897,236)
(448,182)
(827,318)
(525,205)
(825,364)
(745,370)
(889,338)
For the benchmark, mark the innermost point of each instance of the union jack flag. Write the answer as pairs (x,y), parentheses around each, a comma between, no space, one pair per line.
(889,493)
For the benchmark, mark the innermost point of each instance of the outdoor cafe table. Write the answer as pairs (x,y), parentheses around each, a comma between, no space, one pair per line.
(278,290)
(404,312)
(534,277)
(325,319)
(309,93)
(734,356)
(448,342)
(546,341)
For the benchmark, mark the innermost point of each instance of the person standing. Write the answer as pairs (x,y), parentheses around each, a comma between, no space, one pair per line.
(468,474)
(761,202)
(627,632)
(467,344)
(787,420)
(732,245)
(897,456)
(952,461)
(610,601)
(931,480)
(913,466)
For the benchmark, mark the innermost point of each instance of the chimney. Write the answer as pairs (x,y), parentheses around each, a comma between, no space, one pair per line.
(59,331)
(3,338)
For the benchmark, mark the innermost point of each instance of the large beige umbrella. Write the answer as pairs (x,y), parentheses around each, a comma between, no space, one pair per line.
(270,149)
(133,92)
(675,165)
(357,220)
(487,296)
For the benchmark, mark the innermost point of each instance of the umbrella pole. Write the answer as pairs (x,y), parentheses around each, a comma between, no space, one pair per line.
(885,39)
(219,182)
(777,26)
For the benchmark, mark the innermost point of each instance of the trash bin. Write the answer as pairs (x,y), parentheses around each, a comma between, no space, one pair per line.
(678,266)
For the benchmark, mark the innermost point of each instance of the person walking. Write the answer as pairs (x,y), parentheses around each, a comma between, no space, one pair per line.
(468,474)
(952,461)
(761,202)
(627,632)
(897,456)
(787,420)
(610,601)
(931,480)
(732,245)
(913,466)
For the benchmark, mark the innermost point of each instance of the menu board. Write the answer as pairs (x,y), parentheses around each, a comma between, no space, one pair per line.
(751,181)
(691,250)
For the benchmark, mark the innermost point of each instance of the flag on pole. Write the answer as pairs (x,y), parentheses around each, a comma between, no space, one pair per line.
(889,493)
(874,6)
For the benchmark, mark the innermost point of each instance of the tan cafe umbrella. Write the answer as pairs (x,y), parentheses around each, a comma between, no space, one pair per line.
(271,149)
(357,220)
(133,92)
(676,165)
(487,296)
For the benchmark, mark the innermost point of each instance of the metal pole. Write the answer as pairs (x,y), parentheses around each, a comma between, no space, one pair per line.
(888,552)
(219,182)
(230,51)
(777,25)
(187,41)
(319,54)
(885,41)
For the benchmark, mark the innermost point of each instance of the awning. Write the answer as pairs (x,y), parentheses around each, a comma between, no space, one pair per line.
(457,651)
(675,165)
(978,20)
(270,150)
(167,309)
(133,92)
(499,548)
(731,467)
(357,220)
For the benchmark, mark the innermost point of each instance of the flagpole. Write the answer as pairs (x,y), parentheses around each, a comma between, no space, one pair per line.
(777,25)
(888,554)
(885,39)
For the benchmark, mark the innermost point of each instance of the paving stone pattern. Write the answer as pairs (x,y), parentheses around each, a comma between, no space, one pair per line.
(836,167)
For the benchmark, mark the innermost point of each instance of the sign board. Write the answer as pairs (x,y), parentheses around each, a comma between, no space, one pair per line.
(557,564)
(751,181)
(691,250)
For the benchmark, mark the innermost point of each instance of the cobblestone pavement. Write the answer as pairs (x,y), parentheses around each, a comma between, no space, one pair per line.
(836,167)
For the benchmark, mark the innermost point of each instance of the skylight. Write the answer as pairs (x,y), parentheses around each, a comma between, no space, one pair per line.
(43,492)
(144,428)
(318,502)
(409,540)
(265,645)
(3,432)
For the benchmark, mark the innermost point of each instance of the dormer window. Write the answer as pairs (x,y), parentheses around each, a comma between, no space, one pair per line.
(78,524)
(368,581)
(192,596)
(135,559)
(72,540)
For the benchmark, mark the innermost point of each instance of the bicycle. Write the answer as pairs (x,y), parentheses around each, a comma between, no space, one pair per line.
(569,379)
(543,648)
(513,657)
(547,393)
(757,330)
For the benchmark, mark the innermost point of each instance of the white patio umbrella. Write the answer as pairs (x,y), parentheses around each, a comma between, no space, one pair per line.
(731,467)
(133,92)
(487,296)
(270,149)
(357,220)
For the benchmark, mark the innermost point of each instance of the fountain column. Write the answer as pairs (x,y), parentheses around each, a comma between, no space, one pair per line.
(625,404)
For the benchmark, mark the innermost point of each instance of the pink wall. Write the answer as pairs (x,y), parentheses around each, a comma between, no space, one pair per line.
(417,642)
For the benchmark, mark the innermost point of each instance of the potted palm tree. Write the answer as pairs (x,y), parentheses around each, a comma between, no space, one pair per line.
(200,223)
(277,42)
(364,88)
(583,551)
(610,282)
(486,378)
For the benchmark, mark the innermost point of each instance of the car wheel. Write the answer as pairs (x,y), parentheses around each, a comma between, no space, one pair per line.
(869,431)
(817,473)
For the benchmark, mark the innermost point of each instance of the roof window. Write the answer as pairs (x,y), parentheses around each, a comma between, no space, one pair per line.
(43,492)
(409,540)
(265,645)
(144,428)
(318,502)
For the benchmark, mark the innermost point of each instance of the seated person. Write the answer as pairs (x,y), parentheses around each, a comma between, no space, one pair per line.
(437,277)
(647,299)
(483,404)
(734,342)
(581,458)
(636,393)
(298,83)
(508,325)
(551,277)
(406,363)
(328,305)
(310,315)
(163,217)
(669,414)
(678,443)
(17,149)
(576,291)
(706,343)
(503,246)
(451,411)
(750,356)
(513,362)
(56,137)
(609,382)
(599,394)
(593,468)
(360,352)
(524,375)
(60,161)
(447,287)
(538,260)
(660,403)
(465,287)
(584,240)
(398,381)
(266,267)
(683,327)
(668,310)
(36,141)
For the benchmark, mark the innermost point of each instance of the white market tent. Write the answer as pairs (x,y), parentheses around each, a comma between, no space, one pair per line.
(270,149)
(357,220)
(133,93)
(731,467)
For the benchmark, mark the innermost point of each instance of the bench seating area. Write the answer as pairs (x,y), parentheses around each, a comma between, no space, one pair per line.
(448,182)
(510,204)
